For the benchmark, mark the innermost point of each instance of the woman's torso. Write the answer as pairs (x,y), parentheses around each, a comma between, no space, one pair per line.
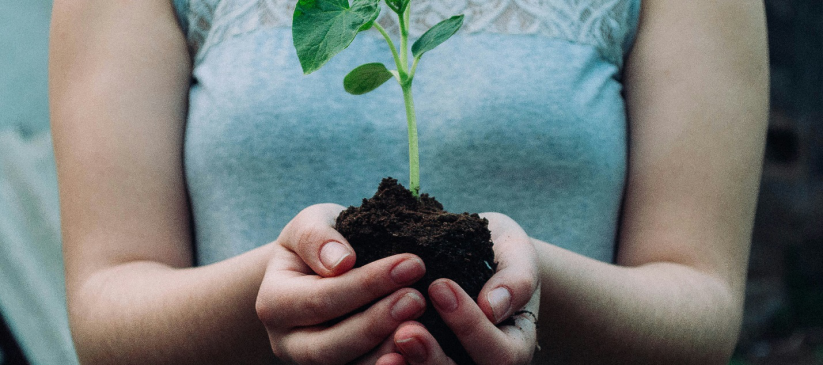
(521,112)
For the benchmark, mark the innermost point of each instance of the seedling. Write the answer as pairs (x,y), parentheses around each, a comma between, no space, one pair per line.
(323,28)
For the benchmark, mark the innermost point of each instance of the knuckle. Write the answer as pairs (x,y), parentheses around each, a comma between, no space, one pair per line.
(300,221)
(374,284)
(376,330)
(468,326)
(523,285)
(275,307)
(372,281)
(266,312)
(310,228)
(375,334)
(308,236)
(314,306)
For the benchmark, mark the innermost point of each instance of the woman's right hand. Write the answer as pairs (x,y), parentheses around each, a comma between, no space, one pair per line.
(309,282)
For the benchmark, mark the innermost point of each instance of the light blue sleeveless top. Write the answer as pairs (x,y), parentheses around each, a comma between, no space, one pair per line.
(520,112)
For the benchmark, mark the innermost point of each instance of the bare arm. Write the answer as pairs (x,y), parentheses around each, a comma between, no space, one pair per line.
(697,92)
(119,74)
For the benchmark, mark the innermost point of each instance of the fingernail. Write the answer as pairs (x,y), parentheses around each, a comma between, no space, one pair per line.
(332,254)
(443,297)
(407,306)
(408,271)
(413,349)
(501,301)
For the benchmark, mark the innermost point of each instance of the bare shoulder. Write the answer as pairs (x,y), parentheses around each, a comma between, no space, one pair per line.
(728,35)
(89,30)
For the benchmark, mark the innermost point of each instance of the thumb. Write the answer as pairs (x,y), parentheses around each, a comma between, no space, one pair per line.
(516,280)
(311,235)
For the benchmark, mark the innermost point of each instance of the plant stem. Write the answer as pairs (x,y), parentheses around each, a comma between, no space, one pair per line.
(411,118)
(414,155)
(393,49)
(404,78)
(404,39)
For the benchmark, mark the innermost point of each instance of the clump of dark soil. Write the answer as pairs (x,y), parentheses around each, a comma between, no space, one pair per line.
(453,246)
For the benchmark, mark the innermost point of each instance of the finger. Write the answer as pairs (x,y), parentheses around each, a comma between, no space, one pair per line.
(515,281)
(484,342)
(418,346)
(288,299)
(311,235)
(356,335)
(386,354)
(391,359)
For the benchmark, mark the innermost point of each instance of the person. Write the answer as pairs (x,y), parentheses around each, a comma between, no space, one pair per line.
(619,141)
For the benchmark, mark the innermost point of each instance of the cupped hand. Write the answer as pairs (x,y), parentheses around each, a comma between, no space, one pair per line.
(513,292)
(309,284)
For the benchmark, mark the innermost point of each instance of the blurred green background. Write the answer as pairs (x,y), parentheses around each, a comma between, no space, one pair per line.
(784,299)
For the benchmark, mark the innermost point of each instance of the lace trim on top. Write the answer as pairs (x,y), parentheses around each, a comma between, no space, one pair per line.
(607,25)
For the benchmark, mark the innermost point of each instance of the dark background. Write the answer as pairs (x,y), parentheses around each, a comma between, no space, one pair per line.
(784,297)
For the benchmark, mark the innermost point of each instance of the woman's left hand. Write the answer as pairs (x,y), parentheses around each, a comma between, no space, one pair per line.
(513,291)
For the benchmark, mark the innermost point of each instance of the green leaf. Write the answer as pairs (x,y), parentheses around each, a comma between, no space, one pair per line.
(323,28)
(398,6)
(366,78)
(437,35)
